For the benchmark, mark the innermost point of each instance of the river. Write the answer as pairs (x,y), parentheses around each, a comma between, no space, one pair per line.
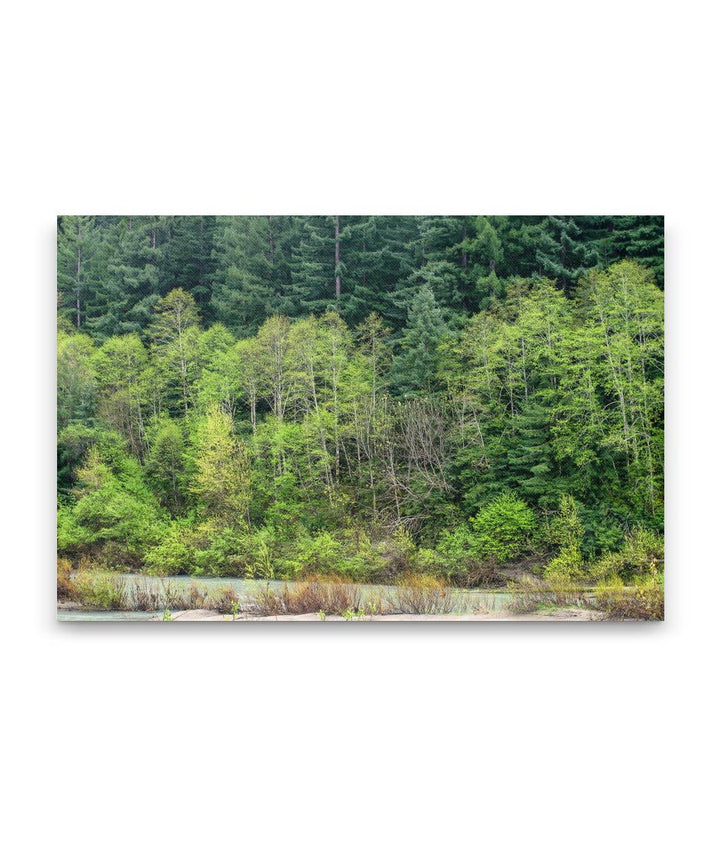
(464,600)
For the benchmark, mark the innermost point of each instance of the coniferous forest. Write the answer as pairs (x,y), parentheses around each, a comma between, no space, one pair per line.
(438,402)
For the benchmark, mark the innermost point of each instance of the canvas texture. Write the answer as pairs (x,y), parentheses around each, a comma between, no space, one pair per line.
(360,418)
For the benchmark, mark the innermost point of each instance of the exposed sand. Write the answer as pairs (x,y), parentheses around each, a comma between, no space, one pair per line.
(554,615)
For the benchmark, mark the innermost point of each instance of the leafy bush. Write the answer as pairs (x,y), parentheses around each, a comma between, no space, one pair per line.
(225,552)
(500,531)
(113,505)
(173,555)
(72,537)
(322,555)
(566,529)
(568,563)
(100,590)
(643,599)
(502,528)
(642,553)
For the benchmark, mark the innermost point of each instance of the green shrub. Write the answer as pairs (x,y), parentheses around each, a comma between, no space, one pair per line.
(642,553)
(228,552)
(71,536)
(502,528)
(643,599)
(173,555)
(321,555)
(568,563)
(500,531)
(566,530)
(100,590)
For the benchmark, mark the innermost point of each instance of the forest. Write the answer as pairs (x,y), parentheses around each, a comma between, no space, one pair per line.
(456,400)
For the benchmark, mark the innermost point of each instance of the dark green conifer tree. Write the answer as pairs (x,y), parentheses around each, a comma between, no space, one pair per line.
(124,301)
(79,269)
(561,253)
(416,360)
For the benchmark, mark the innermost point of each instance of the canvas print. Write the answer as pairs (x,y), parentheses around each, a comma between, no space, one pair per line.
(360,418)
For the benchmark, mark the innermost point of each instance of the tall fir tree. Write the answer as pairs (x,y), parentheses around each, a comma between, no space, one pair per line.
(417,358)
(561,253)
(79,270)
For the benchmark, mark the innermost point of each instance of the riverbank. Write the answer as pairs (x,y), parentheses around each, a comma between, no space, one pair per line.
(72,613)
(556,615)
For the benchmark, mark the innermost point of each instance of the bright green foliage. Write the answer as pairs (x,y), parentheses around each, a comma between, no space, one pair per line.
(395,374)
(76,381)
(566,529)
(500,531)
(175,334)
(643,552)
(222,551)
(221,479)
(502,528)
(165,463)
(173,555)
(113,507)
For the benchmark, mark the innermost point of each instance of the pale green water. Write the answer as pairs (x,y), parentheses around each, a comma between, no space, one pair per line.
(465,600)
(106,615)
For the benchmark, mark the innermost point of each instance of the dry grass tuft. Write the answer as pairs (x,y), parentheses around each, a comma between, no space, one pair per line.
(318,595)
(529,593)
(422,594)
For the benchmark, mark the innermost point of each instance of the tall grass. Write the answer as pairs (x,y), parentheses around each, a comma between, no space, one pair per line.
(644,599)
(319,595)
(422,594)
(529,593)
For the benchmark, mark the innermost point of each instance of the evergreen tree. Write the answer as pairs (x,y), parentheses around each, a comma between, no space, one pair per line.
(124,301)
(487,253)
(314,269)
(380,256)
(243,294)
(417,359)
(561,253)
(187,259)
(78,266)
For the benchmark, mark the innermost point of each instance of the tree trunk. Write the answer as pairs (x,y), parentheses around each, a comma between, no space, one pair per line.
(337,258)
(77,274)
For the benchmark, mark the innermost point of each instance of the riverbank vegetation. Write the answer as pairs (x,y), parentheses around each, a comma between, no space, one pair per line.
(467,401)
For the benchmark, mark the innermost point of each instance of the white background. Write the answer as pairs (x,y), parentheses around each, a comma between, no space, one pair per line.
(356,738)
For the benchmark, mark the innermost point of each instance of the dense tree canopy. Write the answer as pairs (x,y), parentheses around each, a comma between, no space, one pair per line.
(229,384)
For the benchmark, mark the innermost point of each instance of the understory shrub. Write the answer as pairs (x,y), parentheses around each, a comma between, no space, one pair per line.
(643,599)
(173,555)
(642,553)
(227,552)
(500,531)
(100,590)
(567,563)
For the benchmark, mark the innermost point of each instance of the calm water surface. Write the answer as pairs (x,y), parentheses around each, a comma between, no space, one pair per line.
(467,600)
